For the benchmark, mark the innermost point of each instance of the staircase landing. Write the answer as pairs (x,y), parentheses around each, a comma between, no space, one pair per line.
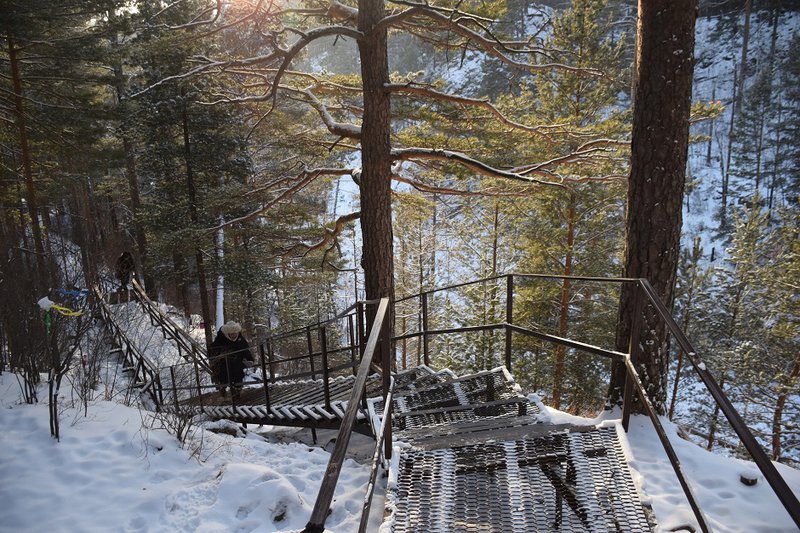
(473,455)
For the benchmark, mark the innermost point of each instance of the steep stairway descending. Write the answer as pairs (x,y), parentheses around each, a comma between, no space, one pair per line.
(187,347)
(288,403)
(477,456)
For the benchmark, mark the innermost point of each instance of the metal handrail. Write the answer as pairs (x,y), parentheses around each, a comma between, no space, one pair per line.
(316,325)
(147,367)
(666,444)
(773,477)
(377,457)
(380,330)
(771,474)
(178,334)
(518,275)
(267,345)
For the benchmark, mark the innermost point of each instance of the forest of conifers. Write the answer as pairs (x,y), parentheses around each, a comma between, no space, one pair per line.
(231,147)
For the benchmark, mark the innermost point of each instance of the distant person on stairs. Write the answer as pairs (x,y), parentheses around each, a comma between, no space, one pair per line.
(228,355)
(125,267)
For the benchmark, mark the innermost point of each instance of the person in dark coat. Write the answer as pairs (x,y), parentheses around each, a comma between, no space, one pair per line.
(228,356)
(125,268)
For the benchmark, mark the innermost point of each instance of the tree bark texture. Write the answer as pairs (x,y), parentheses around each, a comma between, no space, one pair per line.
(375,188)
(27,166)
(192,191)
(780,405)
(659,148)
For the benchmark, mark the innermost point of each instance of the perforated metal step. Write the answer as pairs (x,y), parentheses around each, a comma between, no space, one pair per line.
(429,410)
(564,481)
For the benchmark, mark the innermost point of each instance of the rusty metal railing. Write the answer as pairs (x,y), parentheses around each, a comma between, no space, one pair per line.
(771,474)
(146,375)
(188,348)
(646,294)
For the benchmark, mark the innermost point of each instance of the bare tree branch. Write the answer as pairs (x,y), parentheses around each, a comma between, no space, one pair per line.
(411,154)
(411,88)
(586,152)
(198,20)
(306,177)
(491,45)
(348,131)
(424,187)
(279,56)
(330,234)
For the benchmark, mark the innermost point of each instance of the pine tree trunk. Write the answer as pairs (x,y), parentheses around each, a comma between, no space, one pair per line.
(375,188)
(87,237)
(726,171)
(181,288)
(659,149)
(712,423)
(777,415)
(748,9)
(143,266)
(27,166)
(192,192)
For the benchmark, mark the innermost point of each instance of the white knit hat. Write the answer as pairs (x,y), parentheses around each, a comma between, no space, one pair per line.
(231,327)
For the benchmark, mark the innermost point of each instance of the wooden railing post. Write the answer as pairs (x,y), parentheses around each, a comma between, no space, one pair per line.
(160,393)
(353,345)
(425,352)
(271,357)
(316,524)
(362,339)
(509,317)
(636,320)
(310,353)
(199,388)
(174,390)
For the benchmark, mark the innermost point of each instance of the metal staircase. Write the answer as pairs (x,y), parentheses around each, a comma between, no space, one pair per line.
(474,453)
(475,456)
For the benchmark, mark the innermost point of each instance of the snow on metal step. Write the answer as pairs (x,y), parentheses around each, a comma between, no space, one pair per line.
(566,481)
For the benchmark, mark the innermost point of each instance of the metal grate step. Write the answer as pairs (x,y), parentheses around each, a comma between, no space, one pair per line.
(566,481)
(439,406)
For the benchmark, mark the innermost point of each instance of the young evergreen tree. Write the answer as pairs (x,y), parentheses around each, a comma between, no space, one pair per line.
(577,230)
(693,279)
(783,337)
(790,112)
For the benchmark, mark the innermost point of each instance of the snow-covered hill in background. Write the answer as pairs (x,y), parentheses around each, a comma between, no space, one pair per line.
(717,59)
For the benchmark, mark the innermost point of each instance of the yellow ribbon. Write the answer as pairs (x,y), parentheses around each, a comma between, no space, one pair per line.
(66,311)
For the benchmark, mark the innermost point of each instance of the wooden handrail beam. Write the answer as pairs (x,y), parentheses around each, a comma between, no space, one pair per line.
(317,522)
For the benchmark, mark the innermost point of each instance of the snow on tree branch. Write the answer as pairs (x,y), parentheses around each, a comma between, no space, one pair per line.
(412,154)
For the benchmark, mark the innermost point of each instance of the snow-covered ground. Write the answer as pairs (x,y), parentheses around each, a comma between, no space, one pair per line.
(117,469)
(728,505)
